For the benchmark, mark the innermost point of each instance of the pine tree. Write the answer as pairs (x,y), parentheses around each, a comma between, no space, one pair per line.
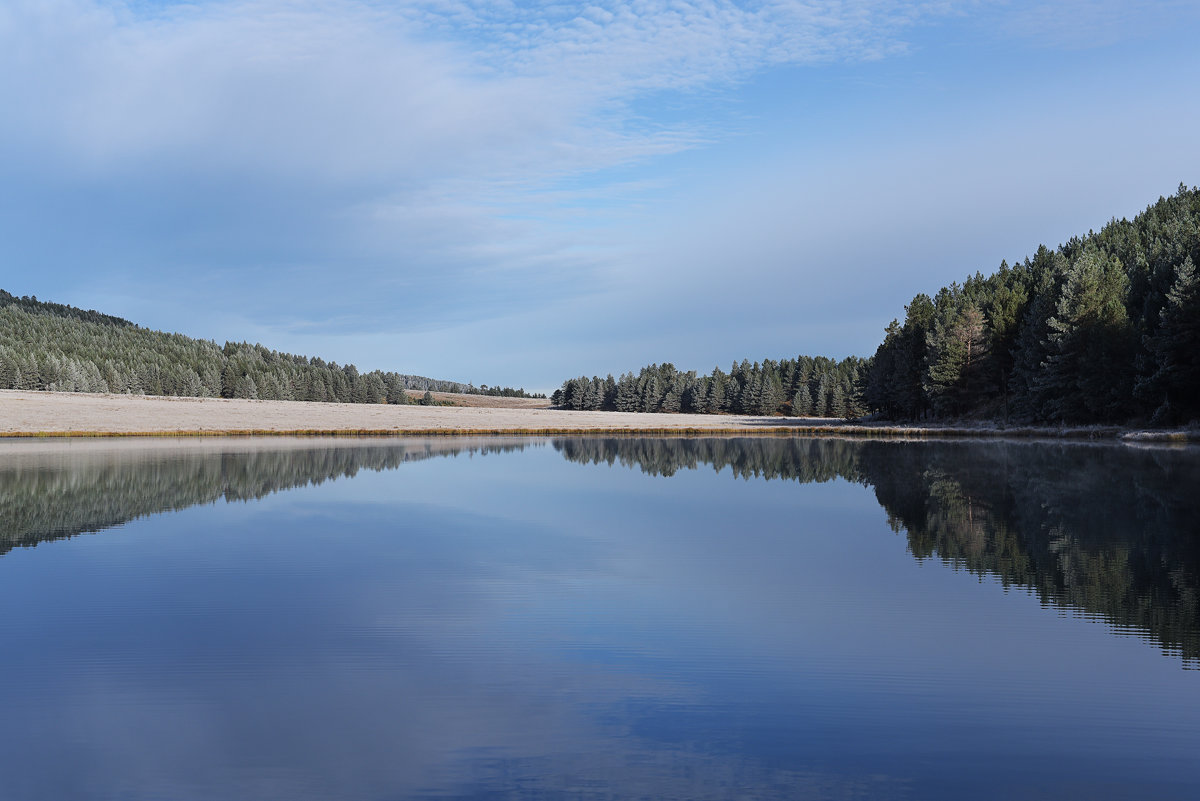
(770,394)
(593,395)
(695,398)
(821,401)
(802,402)
(717,400)
(672,401)
(1088,374)
(954,349)
(609,401)
(837,401)
(1005,309)
(652,392)
(909,389)
(627,394)
(1176,350)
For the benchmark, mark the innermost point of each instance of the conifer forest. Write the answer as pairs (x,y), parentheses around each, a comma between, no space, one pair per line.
(50,346)
(1103,329)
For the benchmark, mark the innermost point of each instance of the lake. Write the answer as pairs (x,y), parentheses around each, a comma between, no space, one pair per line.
(598,618)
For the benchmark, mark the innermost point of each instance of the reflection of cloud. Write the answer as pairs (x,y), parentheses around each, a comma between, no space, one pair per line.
(360,739)
(465,686)
(464,626)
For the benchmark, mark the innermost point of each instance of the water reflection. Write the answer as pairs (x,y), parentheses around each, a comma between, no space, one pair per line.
(535,625)
(50,490)
(1106,530)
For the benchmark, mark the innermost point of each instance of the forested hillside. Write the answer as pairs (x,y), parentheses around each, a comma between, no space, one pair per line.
(804,386)
(49,346)
(1106,328)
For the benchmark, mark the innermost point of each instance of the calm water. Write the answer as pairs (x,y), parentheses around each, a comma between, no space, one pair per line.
(636,618)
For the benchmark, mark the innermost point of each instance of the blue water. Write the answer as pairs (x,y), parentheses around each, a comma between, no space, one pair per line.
(523,619)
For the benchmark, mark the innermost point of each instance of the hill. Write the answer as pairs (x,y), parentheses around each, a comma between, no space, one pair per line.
(55,347)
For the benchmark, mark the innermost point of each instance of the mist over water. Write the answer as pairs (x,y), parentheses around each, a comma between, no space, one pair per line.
(599,618)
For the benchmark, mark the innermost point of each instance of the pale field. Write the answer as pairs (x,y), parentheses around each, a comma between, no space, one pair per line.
(66,412)
(486,401)
(73,413)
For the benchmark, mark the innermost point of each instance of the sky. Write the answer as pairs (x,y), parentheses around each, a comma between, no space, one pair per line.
(520,192)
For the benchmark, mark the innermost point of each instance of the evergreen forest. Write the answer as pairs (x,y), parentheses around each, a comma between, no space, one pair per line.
(1103,329)
(805,386)
(50,346)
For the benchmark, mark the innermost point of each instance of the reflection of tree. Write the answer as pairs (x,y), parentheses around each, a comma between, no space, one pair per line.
(1106,530)
(63,494)
(1109,531)
(806,460)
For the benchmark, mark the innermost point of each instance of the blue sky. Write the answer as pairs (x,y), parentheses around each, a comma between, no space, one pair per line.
(514,193)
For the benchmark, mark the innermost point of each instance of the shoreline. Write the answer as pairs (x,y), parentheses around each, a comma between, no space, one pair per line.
(41,415)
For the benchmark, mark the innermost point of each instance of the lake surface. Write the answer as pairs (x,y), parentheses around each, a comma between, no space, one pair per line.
(598,619)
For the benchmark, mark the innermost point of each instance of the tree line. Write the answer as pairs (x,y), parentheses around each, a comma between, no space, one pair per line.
(50,346)
(1105,328)
(805,386)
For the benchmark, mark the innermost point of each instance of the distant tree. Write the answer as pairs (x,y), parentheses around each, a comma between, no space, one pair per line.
(395,392)
(821,402)
(594,395)
(839,405)
(802,402)
(652,394)
(627,399)
(716,397)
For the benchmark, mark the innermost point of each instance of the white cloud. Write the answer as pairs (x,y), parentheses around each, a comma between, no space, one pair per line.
(376,147)
(260,86)
(620,45)
(393,93)
(350,169)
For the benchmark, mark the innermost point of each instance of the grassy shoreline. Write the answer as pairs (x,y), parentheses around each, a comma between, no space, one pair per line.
(52,415)
(854,431)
